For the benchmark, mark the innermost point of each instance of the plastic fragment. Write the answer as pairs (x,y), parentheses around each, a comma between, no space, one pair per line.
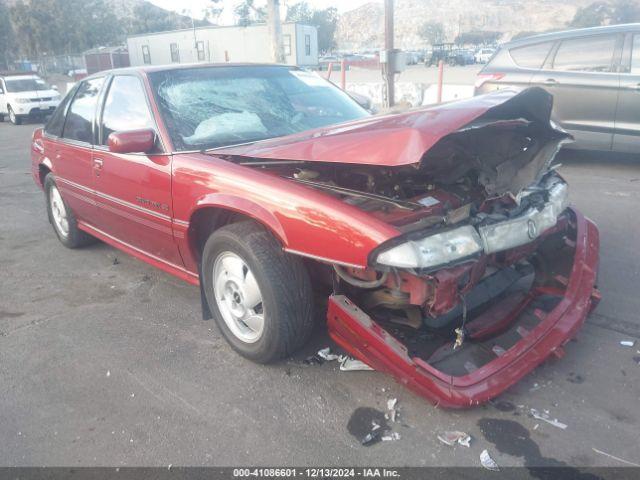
(391,403)
(487,462)
(546,418)
(326,354)
(452,437)
(627,343)
(348,364)
(391,437)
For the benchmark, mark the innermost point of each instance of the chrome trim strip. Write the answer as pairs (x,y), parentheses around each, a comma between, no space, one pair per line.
(124,203)
(323,259)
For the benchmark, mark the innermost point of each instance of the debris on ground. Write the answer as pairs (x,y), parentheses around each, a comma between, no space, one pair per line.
(326,354)
(349,364)
(627,343)
(116,261)
(487,462)
(544,416)
(637,359)
(453,437)
(314,360)
(392,437)
(374,435)
(108,373)
(393,411)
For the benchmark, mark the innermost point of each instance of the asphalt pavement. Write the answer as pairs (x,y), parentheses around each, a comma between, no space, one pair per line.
(105,360)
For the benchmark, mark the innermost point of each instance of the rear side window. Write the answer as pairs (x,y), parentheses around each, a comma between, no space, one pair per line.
(588,54)
(125,107)
(635,55)
(56,122)
(79,124)
(531,56)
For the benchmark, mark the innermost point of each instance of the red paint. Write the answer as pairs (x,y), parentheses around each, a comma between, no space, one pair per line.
(132,141)
(388,140)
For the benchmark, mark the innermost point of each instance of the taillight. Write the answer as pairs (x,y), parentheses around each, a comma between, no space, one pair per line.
(483,78)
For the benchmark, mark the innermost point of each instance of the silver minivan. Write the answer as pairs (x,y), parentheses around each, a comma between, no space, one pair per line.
(593,75)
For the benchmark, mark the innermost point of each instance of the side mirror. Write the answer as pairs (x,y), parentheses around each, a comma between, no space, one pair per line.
(132,141)
(363,101)
(54,87)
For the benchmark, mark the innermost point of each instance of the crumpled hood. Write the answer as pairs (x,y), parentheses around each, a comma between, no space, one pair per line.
(397,139)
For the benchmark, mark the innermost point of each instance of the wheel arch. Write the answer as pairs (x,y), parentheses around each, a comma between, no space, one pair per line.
(216,211)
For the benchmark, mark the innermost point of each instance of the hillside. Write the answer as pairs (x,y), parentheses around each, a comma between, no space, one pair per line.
(363,28)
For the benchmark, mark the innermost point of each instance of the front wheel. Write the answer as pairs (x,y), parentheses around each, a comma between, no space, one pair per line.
(13,118)
(259,296)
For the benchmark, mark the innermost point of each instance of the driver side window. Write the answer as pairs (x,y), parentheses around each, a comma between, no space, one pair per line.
(125,107)
(79,123)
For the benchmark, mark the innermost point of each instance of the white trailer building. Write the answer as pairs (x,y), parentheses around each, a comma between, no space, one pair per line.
(224,44)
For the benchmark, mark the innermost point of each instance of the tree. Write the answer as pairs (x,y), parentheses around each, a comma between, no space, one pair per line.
(326,21)
(432,32)
(606,13)
(478,37)
(6,36)
(247,13)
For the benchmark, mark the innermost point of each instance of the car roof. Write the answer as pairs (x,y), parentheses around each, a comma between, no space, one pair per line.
(551,36)
(146,69)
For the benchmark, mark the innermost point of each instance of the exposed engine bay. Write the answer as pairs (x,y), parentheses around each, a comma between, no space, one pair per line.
(472,214)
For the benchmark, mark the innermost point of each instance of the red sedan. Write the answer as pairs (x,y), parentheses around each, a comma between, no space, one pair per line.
(439,240)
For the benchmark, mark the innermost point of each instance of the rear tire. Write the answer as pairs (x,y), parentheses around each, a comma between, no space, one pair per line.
(62,218)
(259,296)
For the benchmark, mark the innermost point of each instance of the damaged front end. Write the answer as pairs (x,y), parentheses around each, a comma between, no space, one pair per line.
(491,272)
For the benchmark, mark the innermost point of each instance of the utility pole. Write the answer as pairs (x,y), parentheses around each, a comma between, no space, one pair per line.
(275,30)
(388,67)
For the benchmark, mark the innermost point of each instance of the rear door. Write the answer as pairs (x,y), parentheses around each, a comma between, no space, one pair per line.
(72,151)
(133,190)
(582,76)
(627,131)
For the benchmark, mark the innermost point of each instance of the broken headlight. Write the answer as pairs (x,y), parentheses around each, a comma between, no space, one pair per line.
(528,226)
(439,249)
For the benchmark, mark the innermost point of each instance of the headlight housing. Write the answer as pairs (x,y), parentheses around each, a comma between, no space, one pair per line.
(22,100)
(439,249)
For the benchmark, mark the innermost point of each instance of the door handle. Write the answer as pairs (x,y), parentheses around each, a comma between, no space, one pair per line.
(97,165)
(550,81)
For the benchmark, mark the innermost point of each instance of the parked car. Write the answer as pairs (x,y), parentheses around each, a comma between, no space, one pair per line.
(23,96)
(439,51)
(461,57)
(593,75)
(483,55)
(440,238)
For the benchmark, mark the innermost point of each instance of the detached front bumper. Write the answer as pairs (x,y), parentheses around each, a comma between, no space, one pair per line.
(362,337)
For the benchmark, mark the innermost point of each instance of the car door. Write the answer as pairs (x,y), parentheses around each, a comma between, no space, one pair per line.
(133,190)
(626,137)
(581,75)
(72,151)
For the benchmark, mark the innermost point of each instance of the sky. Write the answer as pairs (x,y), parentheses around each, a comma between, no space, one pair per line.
(195,7)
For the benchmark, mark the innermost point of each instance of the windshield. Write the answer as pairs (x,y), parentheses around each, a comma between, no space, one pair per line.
(25,84)
(211,107)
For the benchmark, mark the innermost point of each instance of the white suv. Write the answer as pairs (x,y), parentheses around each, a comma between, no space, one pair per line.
(26,95)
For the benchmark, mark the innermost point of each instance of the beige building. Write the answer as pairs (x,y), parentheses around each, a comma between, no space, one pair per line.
(224,44)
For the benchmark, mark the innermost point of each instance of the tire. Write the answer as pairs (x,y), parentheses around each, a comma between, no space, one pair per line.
(238,258)
(13,118)
(70,236)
